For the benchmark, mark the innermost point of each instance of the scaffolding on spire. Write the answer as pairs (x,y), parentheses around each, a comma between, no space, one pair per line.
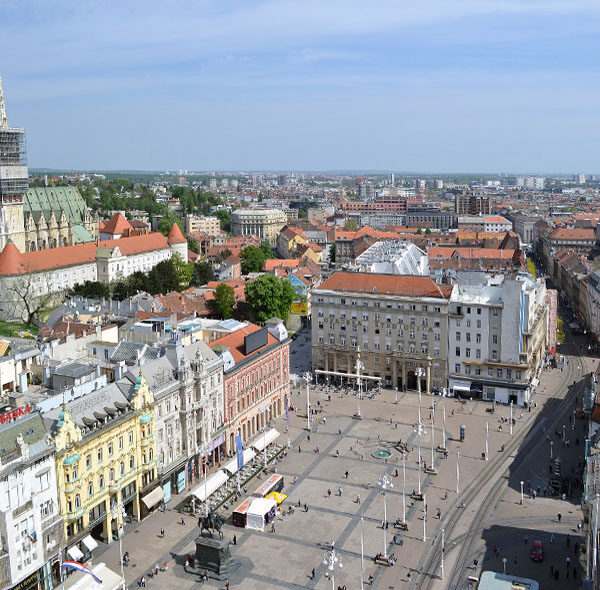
(3,117)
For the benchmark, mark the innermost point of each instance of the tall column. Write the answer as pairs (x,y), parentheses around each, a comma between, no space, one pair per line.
(428,376)
(326,355)
(107,527)
(403,374)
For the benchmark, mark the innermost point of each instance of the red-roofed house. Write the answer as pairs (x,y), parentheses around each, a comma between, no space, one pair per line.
(116,227)
(256,376)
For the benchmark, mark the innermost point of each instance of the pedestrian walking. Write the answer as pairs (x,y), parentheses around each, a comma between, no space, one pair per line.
(525,540)
(234,540)
(346,474)
(305,507)
(358,499)
(551,571)
(329,493)
(162,533)
(552,538)
(340,491)
(182,521)
(559,517)
(272,527)
(312,573)
(575,547)
(226,584)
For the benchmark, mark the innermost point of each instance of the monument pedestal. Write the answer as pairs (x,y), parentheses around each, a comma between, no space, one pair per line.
(212,556)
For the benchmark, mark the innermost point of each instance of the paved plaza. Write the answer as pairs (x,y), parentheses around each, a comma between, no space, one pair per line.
(285,558)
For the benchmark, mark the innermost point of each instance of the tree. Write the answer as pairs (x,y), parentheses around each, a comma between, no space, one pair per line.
(121,290)
(92,290)
(165,223)
(332,252)
(192,245)
(163,278)
(203,273)
(351,225)
(224,300)
(252,259)
(270,296)
(184,270)
(266,249)
(22,301)
(224,219)
(427,231)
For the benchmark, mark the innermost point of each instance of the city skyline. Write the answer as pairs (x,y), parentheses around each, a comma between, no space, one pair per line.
(436,88)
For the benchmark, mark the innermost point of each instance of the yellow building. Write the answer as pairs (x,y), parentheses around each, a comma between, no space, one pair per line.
(105,460)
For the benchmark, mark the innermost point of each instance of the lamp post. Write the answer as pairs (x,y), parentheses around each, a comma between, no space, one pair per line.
(403,487)
(444,393)
(511,418)
(308,377)
(424,518)
(385,482)
(359,366)
(443,550)
(504,565)
(362,554)
(487,433)
(551,445)
(263,409)
(432,431)
(457,471)
(521,482)
(420,372)
(119,511)
(419,430)
(331,558)
(564,435)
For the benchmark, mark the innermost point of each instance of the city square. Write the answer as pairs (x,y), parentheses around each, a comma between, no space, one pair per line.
(339,506)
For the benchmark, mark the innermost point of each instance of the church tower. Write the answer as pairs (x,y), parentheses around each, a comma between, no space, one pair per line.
(14,181)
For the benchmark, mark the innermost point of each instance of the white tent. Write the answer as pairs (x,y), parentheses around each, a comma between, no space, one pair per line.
(264,440)
(231,465)
(255,517)
(213,483)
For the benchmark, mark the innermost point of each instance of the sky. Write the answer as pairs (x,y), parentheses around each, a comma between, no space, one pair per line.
(428,86)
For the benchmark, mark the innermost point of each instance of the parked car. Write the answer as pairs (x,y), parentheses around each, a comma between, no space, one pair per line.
(537,551)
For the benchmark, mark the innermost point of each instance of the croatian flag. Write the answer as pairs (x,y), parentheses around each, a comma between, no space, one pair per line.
(75,565)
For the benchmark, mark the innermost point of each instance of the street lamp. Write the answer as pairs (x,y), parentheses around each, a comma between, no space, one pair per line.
(564,435)
(521,482)
(443,551)
(432,431)
(117,511)
(308,377)
(359,366)
(457,471)
(424,518)
(511,417)
(419,430)
(420,372)
(403,488)
(263,409)
(385,482)
(444,393)
(331,558)
(504,565)
(362,554)
(487,433)
(551,445)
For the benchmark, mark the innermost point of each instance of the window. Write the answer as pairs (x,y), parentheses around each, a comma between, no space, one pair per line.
(412,335)
(495,312)
(479,311)
(499,371)
(131,462)
(90,489)
(478,338)
(457,368)
(99,455)
(458,336)
(477,371)
(478,353)
(88,461)
(509,373)
(479,323)
(457,351)
(467,369)
(490,372)
(468,323)
(43,481)
(494,339)
(101,482)
(74,472)
(494,355)
(110,449)
(120,443)
(467,352)
(468,310)
(518,375)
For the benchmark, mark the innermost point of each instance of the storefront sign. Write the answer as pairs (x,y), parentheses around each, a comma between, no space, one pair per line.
(181,481)
(28,583)
(14,414)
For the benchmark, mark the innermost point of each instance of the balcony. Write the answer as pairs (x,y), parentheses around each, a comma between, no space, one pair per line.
(75,514)
(146,441)
(149,465)
(114,486)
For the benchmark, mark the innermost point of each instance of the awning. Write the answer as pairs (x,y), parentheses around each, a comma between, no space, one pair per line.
(231,466)
(461,386)
(249,454)
(264,440)
(153,498)
(213,483)
(75,552)
(89,542)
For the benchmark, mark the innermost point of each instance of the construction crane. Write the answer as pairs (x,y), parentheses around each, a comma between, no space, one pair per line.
(3,117)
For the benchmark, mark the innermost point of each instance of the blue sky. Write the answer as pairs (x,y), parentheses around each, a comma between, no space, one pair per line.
(429,86)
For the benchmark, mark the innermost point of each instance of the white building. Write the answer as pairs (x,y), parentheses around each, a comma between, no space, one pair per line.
(30,523)
(395,257)
(497,335)
(44,273)
(496,224)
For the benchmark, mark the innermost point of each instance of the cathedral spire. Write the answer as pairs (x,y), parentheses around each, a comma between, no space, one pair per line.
(3,117)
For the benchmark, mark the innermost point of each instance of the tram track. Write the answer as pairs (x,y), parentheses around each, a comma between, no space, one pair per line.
(429,572)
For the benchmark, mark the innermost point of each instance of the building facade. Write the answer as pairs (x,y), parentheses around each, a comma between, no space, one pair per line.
(257,379)
(31,530)
(264,223)
(497,337)
(105,461)
(206,225)
(399,323)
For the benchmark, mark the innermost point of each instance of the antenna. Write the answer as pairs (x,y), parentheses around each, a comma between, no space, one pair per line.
(3,117)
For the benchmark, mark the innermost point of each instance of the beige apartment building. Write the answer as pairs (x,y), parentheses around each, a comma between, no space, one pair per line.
(399,324)
(264,223)
(199,223)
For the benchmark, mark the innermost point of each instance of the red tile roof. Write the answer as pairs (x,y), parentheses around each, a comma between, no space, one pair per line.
(175,236)
(573,234)
(116,225)
(272,263)
(408,286)
(235,342)
(14,262)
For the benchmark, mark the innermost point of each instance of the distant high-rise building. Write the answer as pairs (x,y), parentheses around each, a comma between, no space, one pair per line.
(282,180)
(581,179)
(439,184)
(392,179)
(473,204)
(420,184)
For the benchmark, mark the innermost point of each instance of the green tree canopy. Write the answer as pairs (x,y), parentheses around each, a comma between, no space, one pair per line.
(252,259)
(332,252)
(92,289)
(166,222)
(269,296)
(203,273)
(184,270)
(163,278)
(266,249)
(224,219)
(224,301)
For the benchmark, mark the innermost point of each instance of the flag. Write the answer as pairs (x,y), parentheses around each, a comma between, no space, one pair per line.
(33,537)
(75,565)
(287,413)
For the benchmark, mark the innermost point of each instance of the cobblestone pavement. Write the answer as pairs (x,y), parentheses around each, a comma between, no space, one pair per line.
(285,558)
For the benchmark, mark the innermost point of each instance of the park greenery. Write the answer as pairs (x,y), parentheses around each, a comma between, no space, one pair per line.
(253,258)
(224,301)
(270,296)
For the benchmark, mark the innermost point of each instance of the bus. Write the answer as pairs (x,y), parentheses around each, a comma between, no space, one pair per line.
(239,517)
(273,484)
